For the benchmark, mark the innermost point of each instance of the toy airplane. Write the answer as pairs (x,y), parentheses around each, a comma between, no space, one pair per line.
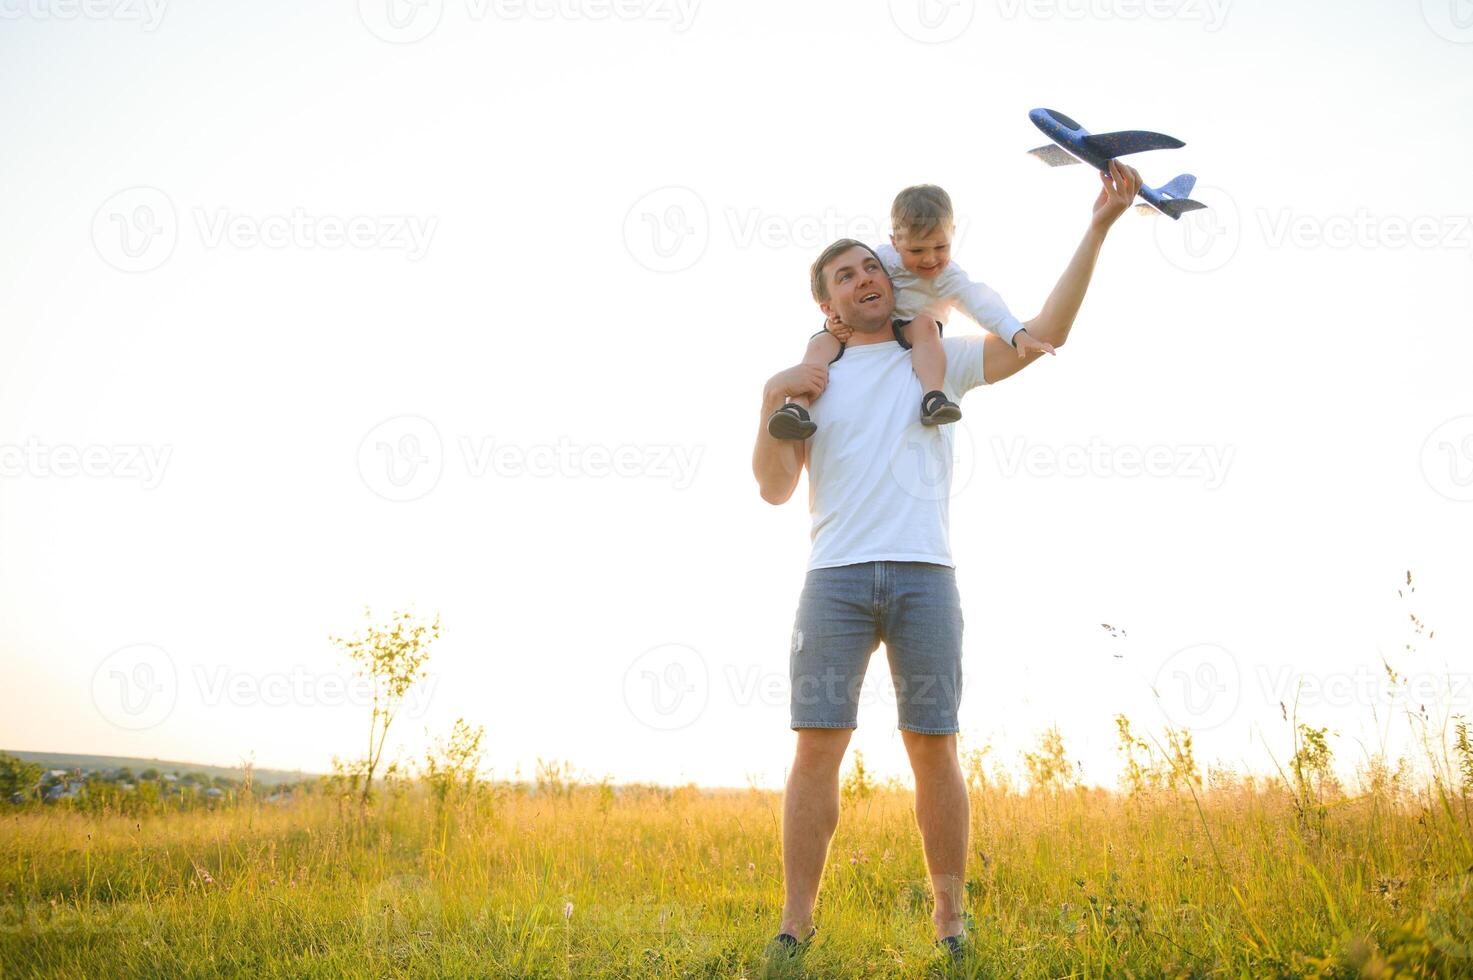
(1072,143)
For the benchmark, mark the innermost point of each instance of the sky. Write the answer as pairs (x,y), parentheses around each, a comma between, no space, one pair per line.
(464,308)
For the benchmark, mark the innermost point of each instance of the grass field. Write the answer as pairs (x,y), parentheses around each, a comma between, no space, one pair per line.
(1231,879)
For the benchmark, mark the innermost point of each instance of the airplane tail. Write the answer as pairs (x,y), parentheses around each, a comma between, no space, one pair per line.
(1171,197)
(1180,207)
(1178,187)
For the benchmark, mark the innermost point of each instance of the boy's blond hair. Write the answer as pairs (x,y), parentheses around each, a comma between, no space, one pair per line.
(920,210)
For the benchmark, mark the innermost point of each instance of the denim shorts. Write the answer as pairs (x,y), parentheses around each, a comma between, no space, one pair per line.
(845,613)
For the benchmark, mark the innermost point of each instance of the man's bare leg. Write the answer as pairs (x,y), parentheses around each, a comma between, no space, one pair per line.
(810,816)
(942,814)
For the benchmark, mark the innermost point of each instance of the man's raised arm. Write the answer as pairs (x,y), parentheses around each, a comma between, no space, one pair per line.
(777,463)
(1055,320)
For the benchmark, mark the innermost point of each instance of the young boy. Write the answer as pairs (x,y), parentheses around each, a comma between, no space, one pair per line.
(927,285)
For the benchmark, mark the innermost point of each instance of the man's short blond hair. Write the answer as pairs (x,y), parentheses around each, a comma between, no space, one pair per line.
(920,210)
(816,281)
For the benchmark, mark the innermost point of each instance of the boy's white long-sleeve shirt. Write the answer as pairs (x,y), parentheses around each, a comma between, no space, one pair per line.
(914,295)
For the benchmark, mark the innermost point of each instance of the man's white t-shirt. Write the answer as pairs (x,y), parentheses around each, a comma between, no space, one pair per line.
(878,480)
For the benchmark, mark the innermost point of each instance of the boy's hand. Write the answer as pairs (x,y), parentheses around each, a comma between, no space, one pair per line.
(839,329)
(1027,344)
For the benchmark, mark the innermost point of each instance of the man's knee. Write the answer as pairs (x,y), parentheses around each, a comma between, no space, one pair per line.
(929,750)
(821,748)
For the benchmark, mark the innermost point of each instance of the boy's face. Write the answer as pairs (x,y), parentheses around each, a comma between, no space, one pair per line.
(924,255)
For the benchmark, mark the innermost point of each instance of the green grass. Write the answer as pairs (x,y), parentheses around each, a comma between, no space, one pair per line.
(1079,883)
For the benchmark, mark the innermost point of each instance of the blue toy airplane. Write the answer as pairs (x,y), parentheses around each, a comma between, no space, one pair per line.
(1072,143)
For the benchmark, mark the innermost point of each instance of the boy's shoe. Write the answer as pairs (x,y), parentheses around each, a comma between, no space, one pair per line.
(937,409)
(791,422)
(786,942)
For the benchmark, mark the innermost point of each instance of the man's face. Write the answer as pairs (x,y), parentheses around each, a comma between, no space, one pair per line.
(924,255)
(859,290)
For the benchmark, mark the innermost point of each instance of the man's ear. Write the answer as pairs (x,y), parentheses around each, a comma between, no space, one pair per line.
(828,312)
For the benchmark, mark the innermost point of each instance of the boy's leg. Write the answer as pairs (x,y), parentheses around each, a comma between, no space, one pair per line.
(791,421)
(928,357)
(823,348)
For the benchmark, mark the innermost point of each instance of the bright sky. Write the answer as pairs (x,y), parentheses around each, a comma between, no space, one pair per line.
(465,307)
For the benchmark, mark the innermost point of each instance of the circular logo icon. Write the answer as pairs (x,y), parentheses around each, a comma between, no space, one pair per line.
(667,229)
(401,21)
(136,229)
(401,459)
(1199,687)
(135,687)
(667,687)
(1451,20)
(932,21)
(1447,458)
(934,462)
(1205,240)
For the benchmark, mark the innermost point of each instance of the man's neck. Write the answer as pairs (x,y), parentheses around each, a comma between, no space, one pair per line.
(878,335)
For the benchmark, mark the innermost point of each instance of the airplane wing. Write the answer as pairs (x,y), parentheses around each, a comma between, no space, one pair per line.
(1130,141)
(1054,155)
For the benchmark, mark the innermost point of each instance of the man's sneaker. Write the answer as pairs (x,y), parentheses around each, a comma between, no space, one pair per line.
(791,422)
(937,409)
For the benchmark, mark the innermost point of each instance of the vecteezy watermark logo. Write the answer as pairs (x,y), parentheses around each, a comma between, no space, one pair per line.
(1203,240)
(932,21)
(135,687)
(407,21)
(1451,20)
(1211,13)
(667,687)
(407,233)
(667,229)
(1447,458)
(1364,686)
(933,462)
(136,229)
(34,458)
(1199,687)
(148,13)
(401,21)
(401,458)
(1179,461)
(220,684)
(569,460)
(1366,230)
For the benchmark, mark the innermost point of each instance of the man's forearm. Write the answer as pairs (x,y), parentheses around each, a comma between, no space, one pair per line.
(775,462)
(1054,321)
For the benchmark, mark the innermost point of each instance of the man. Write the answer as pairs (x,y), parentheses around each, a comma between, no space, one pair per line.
(881,567)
